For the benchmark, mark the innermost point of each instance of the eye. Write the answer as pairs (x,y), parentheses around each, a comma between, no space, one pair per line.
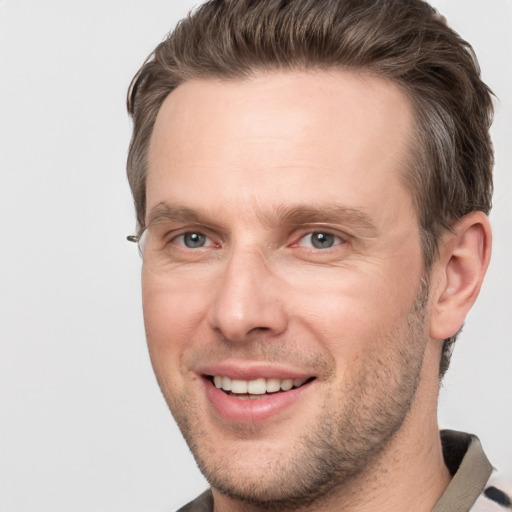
(320,240)
(192,240)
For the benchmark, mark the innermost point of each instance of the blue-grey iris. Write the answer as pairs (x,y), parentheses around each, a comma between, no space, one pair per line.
(322,240)
(194,240)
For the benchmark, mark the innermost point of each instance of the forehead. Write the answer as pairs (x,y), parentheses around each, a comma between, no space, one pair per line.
(334,137)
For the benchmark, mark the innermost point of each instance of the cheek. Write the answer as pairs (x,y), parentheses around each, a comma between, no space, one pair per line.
(354,315)
(172,319)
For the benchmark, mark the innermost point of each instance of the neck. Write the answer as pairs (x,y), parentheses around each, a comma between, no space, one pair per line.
(409,474)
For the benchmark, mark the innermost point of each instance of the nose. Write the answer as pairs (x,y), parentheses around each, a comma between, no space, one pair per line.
(248,299)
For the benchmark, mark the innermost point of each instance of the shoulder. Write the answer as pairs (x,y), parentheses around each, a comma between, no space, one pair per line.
(203,503)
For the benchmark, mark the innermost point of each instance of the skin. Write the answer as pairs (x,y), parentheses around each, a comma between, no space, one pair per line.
(252,164)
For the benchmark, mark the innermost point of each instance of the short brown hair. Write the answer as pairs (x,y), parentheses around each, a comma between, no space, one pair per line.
(405,41)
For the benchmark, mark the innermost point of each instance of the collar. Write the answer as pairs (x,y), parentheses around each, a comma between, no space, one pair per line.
(467,462)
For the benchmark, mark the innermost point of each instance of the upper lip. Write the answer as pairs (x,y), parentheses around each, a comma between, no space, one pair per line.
(248,370)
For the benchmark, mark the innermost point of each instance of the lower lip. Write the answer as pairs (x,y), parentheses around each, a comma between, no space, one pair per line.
(254,410)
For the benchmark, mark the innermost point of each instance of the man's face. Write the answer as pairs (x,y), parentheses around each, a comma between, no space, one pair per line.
(284,252)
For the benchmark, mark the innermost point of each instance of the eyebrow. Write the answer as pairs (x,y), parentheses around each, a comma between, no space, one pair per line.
(326,214)
(296,215)
(164,212)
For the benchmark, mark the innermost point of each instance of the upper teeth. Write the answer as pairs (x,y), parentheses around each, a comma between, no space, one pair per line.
(257,386)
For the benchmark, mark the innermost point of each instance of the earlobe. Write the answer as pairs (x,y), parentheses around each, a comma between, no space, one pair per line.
(463,260)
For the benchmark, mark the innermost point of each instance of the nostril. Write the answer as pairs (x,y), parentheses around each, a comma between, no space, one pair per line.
(259,330)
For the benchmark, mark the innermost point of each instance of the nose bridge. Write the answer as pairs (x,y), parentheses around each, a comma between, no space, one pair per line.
(247,298)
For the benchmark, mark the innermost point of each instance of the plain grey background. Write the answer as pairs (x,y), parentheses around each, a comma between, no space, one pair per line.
(82,423)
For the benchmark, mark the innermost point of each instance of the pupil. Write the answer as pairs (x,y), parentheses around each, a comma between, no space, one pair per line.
(193,240)
(322,240)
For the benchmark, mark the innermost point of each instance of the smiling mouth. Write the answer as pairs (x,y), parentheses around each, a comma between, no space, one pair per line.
(257,388)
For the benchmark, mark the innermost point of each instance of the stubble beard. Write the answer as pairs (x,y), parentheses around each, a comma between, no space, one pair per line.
(342,445)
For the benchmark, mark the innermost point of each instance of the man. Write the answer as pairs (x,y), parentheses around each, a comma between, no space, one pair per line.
(312,181)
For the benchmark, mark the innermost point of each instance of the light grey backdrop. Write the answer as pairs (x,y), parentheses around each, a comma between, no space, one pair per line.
(83,426)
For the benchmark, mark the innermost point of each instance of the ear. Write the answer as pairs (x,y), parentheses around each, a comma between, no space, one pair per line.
(464,256)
